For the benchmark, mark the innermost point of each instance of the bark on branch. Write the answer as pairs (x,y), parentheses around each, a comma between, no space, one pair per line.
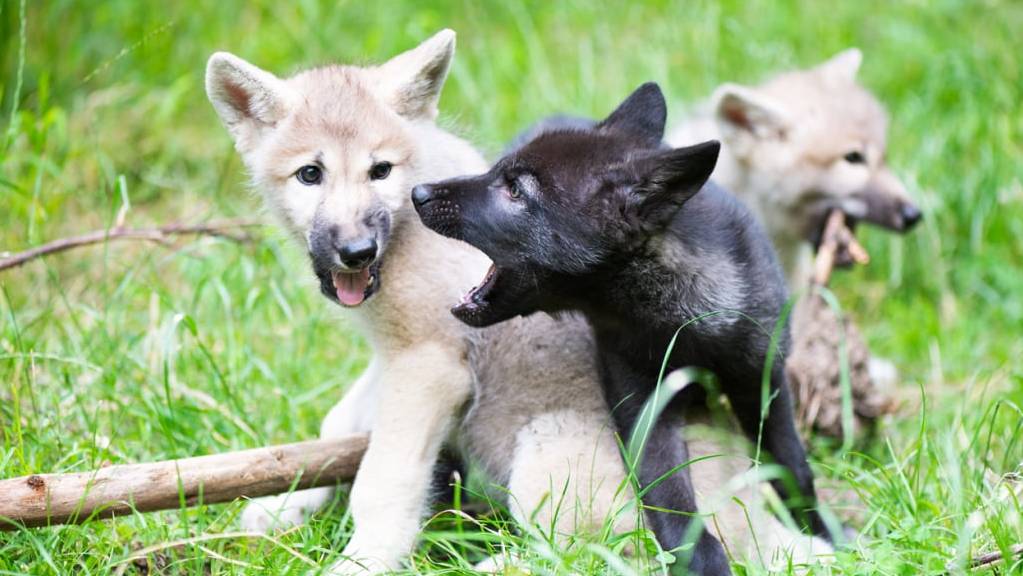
(46,499)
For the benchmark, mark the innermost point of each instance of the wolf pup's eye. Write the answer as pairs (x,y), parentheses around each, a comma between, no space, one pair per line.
(380,170)
(514,189)
(855,157)
(310,175)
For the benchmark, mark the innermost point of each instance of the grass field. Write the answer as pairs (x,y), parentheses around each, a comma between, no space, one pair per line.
(132,352)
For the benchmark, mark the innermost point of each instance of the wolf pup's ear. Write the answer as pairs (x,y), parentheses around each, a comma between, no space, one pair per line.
(412,81)
(842,67)
(666,180)
(247,99)
(642,114)
(746,116)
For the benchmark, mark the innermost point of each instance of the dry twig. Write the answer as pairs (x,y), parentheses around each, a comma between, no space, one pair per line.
(838,247)
(233,229)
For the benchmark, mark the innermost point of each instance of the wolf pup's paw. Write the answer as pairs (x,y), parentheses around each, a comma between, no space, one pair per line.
(283,511)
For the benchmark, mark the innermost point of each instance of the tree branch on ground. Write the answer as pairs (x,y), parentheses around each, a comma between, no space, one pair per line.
(231,229)
(50,499)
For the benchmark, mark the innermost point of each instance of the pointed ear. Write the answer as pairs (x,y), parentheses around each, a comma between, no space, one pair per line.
(247,98)
(642,114)
(842,67)
(412,81)
(666,180)
(744,115)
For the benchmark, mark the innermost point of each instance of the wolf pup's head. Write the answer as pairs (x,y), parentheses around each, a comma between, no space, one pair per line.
(329,149)
(812,140)
(566,206)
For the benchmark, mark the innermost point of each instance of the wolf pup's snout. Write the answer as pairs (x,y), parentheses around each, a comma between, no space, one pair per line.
(346,267)
(883,207)
(331,249)
(439,207)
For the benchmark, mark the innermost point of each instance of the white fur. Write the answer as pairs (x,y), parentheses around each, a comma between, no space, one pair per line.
(728,490)
(553,478)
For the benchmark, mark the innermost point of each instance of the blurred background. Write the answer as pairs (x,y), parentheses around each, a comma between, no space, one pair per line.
(132,352)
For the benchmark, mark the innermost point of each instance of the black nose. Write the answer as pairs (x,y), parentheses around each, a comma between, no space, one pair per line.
(422,194)
(910,216)
(358,254)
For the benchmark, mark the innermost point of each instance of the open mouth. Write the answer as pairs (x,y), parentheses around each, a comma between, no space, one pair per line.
(476,298)
(352,288)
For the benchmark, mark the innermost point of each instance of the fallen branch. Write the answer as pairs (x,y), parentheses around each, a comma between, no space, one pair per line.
(161,234)
(47,499)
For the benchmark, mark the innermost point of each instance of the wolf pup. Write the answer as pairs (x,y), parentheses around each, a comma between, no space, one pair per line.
(798,146)
(335,151)
(605,222)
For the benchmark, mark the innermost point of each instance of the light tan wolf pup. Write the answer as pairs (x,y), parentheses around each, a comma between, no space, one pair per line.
(799,145)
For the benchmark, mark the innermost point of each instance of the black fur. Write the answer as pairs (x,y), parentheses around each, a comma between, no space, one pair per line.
(600,218)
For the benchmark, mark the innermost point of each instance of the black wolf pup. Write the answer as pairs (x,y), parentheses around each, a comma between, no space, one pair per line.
(605,221)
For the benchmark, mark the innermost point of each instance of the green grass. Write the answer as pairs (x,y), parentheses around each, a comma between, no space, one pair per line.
(127,353)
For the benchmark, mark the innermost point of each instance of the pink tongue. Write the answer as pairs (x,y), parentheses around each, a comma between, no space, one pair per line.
(351,288)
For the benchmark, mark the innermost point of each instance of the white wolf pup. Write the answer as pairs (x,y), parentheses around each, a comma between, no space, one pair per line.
(335,152)
(799,145)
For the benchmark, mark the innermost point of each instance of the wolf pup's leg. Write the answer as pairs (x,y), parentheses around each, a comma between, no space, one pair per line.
(566,479)
(664,449)
(779,438)
(566,473)
(352,415)
(422,388)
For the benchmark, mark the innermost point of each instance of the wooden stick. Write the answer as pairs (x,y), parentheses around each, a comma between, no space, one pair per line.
(837,244)
(161,234)
(46,499)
